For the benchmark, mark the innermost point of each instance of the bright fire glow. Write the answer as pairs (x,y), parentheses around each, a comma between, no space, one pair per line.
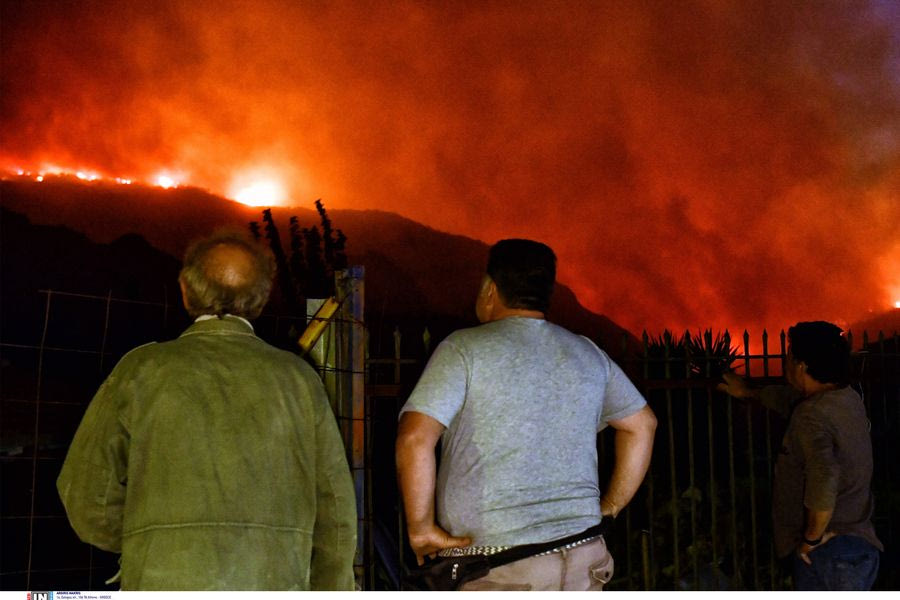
(261,193)
(166,182)
(258,189)
(897,304)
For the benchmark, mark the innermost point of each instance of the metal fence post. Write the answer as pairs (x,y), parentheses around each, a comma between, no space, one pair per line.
(37,422)
(351,389)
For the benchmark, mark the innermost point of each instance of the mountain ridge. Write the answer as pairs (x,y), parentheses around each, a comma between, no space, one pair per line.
(414,273)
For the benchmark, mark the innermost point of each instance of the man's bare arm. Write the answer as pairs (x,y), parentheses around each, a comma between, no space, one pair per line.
(634,447)
(417,436)
(816,529)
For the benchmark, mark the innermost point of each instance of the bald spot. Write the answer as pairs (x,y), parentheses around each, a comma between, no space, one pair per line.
(229,266)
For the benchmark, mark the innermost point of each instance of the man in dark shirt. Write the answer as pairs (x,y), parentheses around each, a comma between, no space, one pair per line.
(822,498)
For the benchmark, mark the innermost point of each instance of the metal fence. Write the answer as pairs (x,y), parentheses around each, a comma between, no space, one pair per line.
(700,521)
(54,352)
(702,518)
(55,349)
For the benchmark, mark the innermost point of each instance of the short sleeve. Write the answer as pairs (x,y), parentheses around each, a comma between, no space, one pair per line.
(621,399)
(822,472)
(441,391)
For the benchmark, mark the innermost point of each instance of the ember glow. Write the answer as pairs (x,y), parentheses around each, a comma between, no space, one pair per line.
(168,179)
(695,164)
(40,175)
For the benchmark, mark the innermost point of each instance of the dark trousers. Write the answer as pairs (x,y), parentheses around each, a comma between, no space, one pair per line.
(845,562)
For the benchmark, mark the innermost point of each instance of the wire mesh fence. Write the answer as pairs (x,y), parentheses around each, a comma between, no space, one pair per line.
(55,350)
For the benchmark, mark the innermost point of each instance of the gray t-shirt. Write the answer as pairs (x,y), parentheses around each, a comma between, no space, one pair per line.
(522,400)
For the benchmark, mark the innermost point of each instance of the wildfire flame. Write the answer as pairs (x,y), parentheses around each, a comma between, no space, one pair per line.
(43,173)
(258,186)
(686,174)
(261,193)
(165,182)
(254,188)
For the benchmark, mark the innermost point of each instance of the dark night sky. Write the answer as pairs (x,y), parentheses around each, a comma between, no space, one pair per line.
(725,164)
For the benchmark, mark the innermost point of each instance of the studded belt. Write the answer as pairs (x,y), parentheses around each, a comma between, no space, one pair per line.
(489,550)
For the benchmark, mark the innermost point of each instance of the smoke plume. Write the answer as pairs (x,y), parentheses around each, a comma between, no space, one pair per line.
(695,164)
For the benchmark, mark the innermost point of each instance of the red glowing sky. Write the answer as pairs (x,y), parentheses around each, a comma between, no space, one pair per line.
(694,164)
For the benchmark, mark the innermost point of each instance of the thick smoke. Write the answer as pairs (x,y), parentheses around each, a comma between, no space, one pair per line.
(695,164)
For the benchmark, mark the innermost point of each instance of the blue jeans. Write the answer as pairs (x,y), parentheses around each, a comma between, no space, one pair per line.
(845,562)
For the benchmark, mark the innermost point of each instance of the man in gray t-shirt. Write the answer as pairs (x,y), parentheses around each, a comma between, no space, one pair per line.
(518,402)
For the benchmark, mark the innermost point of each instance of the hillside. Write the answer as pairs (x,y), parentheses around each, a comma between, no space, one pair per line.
(415,276)
(887,323)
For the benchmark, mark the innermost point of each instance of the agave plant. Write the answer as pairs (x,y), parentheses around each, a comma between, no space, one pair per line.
(711,357)
(700,355)
(664,355)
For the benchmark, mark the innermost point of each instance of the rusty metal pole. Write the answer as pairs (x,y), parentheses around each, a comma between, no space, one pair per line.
(351,378)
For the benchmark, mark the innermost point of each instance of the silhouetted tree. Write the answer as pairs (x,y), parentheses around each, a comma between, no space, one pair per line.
(299,268)
(308,271)
(254,229)
(317,282)
(286,281)
(333,241)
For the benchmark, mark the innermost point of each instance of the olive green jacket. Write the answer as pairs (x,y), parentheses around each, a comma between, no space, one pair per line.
(213,461)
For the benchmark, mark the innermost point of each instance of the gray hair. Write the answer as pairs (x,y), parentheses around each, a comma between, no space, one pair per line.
(227,273)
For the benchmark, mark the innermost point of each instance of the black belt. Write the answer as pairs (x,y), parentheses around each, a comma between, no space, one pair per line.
(448,573)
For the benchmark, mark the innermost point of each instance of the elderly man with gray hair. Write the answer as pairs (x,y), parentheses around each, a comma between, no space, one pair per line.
(213,461)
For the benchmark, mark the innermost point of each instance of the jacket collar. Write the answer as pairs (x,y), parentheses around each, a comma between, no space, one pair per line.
(227,324)
(208,317)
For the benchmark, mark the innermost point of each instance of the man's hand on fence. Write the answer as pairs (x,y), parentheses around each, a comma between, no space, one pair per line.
(429,540)
(736,386)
